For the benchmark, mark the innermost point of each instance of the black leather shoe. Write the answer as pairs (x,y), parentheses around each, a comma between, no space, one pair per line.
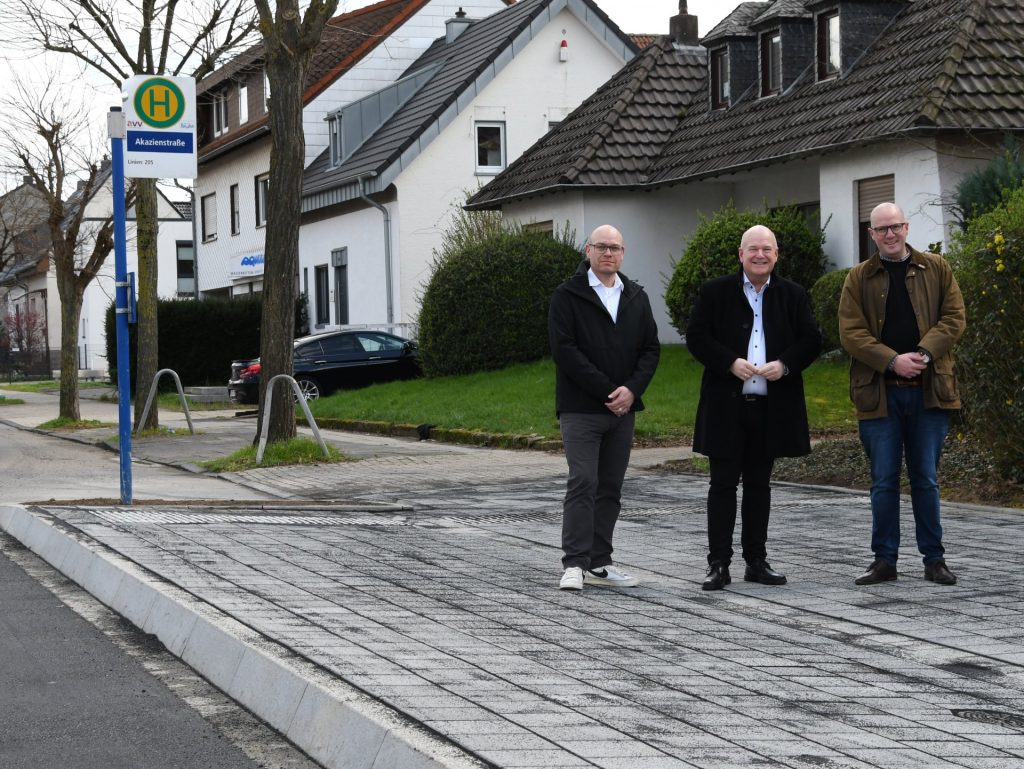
(878,571)
(939,573)
(760,571)
(718,577)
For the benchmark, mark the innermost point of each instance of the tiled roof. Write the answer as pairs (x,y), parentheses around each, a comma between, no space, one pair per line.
(641,41)
(946,65)
(465,66)
(348,34)
(346,39)
(737,23)
(183,207)
(615,135)
(784,9)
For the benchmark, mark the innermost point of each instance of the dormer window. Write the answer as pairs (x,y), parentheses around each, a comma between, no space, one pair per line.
(829,62)
(220,113)
(335,139)
(720,78)
(771,63)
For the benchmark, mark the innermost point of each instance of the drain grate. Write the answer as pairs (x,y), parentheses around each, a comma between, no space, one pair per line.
(996,717)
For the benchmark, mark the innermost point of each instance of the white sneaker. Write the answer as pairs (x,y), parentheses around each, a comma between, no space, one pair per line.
(610,576)
(572,579)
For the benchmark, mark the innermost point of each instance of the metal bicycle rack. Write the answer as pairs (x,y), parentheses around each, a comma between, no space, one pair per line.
(181,396)
(305,409)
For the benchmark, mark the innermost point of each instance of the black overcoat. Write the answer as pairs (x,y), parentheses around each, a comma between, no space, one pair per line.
(718,334)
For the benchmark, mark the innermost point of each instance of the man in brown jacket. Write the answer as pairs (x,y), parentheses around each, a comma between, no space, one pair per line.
(900,314)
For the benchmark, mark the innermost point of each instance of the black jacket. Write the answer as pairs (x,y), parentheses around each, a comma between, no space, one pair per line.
(594,355)
(718,334)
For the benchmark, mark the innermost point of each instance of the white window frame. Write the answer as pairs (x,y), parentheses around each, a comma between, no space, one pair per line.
(236,215)
(220,113)
(261,190)
(208,208)
(488,168)
(243,104)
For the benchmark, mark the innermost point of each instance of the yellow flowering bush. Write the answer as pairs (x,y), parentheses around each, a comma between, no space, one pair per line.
(987,259)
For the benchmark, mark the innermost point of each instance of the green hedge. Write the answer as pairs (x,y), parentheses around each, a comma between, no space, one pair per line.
(713,251)
(825,295)
(486,304)
(199,339)
(988,259)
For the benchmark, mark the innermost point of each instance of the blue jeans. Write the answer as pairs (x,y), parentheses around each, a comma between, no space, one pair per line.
(917,432)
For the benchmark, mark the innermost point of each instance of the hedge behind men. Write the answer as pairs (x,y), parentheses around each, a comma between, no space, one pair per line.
(755,333)
(900,314)
(605,345)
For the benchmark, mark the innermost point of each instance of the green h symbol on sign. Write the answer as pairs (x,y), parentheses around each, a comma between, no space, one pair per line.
(159,103)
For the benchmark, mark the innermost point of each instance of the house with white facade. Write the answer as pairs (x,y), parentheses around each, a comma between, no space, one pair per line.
(30,285)
(831,105)
(360,53)
(402,160)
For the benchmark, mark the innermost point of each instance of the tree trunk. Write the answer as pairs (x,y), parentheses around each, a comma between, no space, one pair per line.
(70,316)
(147,354)
(282,244)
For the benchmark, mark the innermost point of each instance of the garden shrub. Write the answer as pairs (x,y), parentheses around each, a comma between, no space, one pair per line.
(486,304)
(987,260)
(825,295)
(713,251)
(986,188)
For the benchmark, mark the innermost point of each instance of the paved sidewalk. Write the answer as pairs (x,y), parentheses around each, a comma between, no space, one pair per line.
(419,623)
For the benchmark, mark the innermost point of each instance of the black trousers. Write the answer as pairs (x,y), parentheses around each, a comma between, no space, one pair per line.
(754,466)
(597,448)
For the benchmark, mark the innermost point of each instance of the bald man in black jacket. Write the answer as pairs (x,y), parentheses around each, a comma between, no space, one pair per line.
(605,344)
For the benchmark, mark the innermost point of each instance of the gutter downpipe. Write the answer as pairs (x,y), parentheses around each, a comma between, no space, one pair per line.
(387,243)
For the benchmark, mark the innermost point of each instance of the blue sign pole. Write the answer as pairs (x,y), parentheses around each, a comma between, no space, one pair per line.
(115,128)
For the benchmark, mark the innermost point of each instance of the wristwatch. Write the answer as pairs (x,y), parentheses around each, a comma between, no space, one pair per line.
(927,356)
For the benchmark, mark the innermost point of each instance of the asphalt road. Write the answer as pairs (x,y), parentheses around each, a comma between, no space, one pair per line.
(79,688)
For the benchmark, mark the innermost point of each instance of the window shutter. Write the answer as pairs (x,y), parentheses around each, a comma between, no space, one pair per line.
(871,192)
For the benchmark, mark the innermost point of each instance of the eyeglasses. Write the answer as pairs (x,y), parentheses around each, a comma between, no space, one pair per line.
(896,228)
(607,248)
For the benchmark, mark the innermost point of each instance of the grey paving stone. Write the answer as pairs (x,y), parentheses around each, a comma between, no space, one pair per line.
(449,612)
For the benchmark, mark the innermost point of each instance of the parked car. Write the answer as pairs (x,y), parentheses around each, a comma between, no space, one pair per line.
(327,362)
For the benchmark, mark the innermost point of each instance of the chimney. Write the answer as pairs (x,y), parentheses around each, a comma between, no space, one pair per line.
(682,28)
(456,26)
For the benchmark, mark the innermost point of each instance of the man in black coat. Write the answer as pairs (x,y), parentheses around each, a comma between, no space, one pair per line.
(605,344)
(754,333)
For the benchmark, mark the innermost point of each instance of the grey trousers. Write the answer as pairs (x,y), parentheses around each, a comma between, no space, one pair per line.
(597,450)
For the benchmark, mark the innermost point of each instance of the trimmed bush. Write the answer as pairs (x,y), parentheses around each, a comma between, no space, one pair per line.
(713,251)
(986,188)
(825,301)
(988,260)
(486,304)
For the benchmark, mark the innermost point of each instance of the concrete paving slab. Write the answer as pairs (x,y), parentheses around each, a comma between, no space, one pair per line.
(431,633)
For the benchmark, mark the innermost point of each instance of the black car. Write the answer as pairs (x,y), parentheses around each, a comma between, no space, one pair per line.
(327,362)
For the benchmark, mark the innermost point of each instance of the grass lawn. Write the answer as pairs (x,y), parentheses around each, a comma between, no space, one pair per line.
(521,400)
(48,384)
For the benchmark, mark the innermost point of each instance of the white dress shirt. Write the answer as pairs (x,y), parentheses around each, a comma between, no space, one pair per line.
(609,295)
(756,351)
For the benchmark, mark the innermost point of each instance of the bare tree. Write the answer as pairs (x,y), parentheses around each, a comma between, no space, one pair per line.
(289,39)
(120,38)
(45,135)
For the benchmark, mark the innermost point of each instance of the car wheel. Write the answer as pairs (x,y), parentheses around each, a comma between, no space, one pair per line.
(309,387)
